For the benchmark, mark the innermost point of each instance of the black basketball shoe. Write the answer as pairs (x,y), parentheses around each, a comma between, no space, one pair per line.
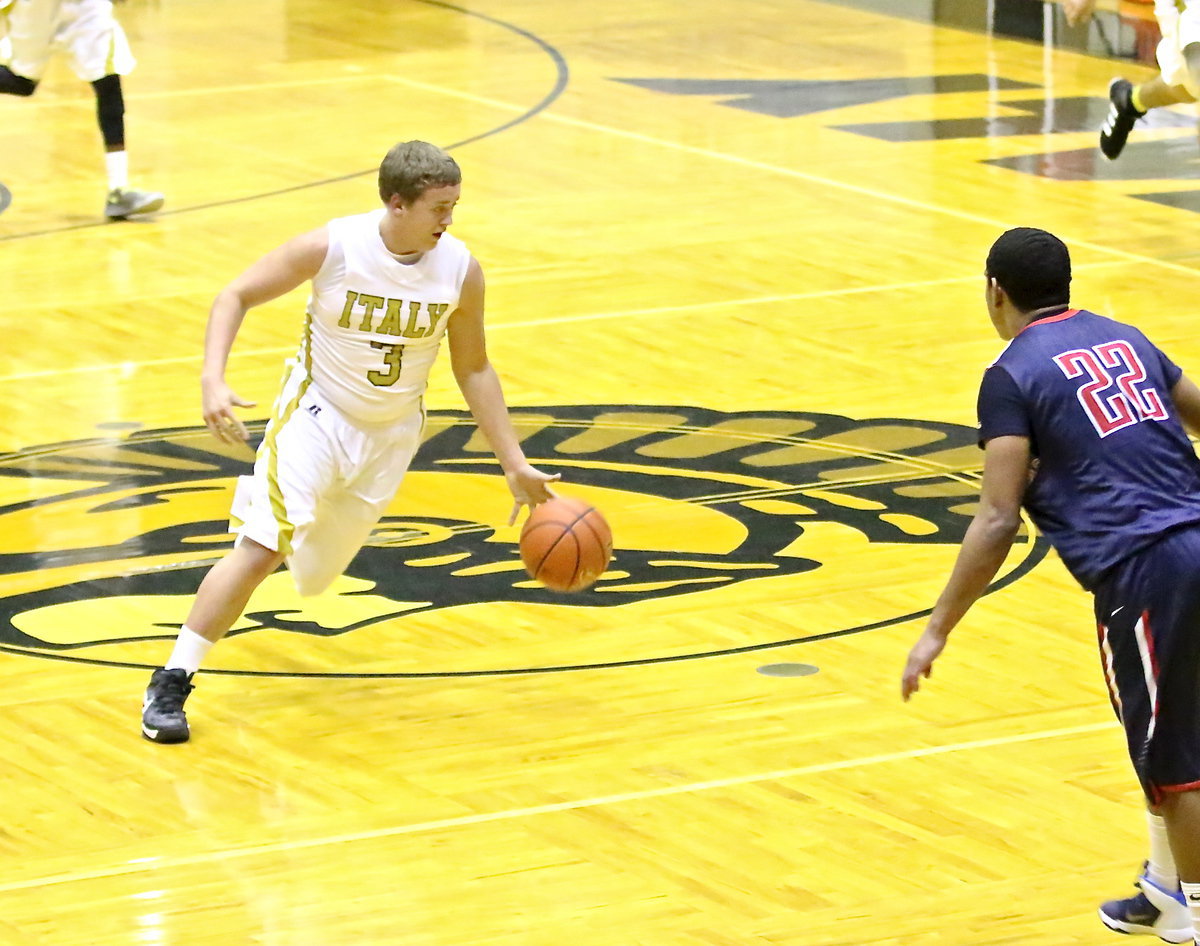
(1121,116)
(163,719)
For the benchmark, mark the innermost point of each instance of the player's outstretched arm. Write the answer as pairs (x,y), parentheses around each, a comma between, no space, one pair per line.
(984,548)
(280,271)
(480,387)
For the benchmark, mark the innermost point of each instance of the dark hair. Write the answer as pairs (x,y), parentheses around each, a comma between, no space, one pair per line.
(413,167)
(1032,266)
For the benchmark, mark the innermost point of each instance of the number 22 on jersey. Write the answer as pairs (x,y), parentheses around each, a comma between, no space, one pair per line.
(1115,394)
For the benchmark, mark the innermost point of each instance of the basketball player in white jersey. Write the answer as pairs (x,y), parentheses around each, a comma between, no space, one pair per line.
(1177,83)
(386,287)
(96,47)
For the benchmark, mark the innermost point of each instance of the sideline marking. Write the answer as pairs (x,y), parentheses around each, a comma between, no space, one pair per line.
(147,864)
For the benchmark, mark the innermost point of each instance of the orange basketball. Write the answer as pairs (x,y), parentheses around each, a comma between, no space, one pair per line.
(566,544)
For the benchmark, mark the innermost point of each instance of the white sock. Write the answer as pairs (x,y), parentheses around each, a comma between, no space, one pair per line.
(1191,893)
(190,650)
(117,163)
(1160,867)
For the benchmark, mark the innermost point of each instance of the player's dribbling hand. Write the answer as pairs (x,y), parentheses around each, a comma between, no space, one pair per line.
(219,400)
(920,662)
(529,486)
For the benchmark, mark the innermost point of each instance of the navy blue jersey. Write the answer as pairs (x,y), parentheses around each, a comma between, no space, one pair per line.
(1115,470)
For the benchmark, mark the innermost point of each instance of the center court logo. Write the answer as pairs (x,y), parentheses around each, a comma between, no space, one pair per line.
(795,521)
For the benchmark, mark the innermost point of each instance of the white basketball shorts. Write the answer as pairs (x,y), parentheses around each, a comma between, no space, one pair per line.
(1179,29)
(85,30)
(320,483)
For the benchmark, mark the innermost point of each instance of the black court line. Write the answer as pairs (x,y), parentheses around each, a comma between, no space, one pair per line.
(562,75)
(1040,548)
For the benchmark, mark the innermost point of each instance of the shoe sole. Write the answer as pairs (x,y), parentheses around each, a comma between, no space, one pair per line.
(164,738)
(1137,929)
(1132,929)
(138,211)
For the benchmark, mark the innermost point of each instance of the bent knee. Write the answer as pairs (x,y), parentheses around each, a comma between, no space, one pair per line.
(256,557)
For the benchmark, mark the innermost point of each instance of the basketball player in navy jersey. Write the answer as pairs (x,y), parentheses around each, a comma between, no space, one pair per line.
(1082,422)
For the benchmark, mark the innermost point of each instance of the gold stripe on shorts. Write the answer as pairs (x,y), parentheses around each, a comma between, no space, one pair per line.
(286,528)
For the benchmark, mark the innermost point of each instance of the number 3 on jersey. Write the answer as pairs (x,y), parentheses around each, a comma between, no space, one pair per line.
(1112,400)
(392,356)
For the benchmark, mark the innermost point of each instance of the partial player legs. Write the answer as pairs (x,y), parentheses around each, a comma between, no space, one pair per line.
(323,549)
(1177,83)
(123,201)
(325,543)
(1156,93)
(1120,119)
(1158,907)
(227,587)
(1181,811)
(335,480)
(220,601)
(1127,104)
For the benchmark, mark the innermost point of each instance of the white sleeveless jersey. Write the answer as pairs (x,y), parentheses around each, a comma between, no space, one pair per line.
(375,324)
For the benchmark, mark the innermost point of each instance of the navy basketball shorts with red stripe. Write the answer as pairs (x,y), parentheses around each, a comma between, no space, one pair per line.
(1148,624)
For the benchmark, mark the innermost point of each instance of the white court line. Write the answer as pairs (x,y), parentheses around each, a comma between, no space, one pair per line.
(129,366)
(791,172)
(675,146)
(689,149)
(166,862)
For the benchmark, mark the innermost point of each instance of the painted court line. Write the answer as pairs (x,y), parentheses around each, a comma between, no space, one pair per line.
(817,179)
(159,863)
(661,311)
